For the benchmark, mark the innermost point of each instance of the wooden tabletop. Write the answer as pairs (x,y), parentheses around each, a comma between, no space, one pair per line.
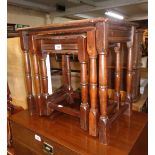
(65,130)
(76,23)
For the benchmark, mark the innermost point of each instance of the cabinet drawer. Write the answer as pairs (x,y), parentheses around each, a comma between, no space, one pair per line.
(21,149)
(36,144)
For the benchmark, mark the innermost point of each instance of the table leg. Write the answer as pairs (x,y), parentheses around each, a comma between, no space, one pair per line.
(24,39)
(102,48)
(130,72)
(117,97)
(83,59)
(93,114)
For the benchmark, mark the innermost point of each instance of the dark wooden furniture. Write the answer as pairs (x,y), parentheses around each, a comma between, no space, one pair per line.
(91,40)
(34,135)
(11,109)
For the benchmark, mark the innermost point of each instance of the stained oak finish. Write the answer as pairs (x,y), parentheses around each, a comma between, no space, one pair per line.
(128,135)
(83,59)
(93,114)
(102,47)
(11,109)
(90,39)
(24,39)
(130,46)
(118,76)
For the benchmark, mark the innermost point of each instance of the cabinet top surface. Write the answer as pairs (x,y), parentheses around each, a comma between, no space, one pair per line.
(66,131)
(77,23)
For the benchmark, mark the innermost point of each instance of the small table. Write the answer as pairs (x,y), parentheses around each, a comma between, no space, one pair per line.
(91,40)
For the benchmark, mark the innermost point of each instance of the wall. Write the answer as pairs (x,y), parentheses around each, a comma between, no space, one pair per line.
(60,20)
(17,15)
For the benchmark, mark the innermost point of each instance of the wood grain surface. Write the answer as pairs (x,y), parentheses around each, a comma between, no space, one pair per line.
(128,134)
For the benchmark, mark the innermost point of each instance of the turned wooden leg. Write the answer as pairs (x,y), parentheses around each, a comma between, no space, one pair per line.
(129,72)
(64,70)
(30,97)
(129,81)
(37,86)
(44,82)
(83,59)
(25,48)
(117,97)
(84,107)
(93,114)
(68,67)
(103,95)
(102,46)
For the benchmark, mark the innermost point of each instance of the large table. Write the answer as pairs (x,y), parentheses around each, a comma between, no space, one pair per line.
(91,40)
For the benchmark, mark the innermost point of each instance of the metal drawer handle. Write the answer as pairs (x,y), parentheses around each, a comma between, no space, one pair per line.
(48,148)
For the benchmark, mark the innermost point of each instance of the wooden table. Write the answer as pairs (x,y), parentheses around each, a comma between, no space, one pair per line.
(90,40)
(63,132)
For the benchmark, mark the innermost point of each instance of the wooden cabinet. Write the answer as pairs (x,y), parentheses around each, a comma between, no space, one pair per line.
(26,143)
(32,135)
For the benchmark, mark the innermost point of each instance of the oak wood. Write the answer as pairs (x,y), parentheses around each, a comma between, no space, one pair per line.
(11,109)
(24,40)
(93,114)
(37,85)
(118,75)
(82,23)
(102,47)
(83,59)
(91,37)
(130,71)
(127,133)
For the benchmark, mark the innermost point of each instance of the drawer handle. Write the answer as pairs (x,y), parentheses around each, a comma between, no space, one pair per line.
(48,148)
